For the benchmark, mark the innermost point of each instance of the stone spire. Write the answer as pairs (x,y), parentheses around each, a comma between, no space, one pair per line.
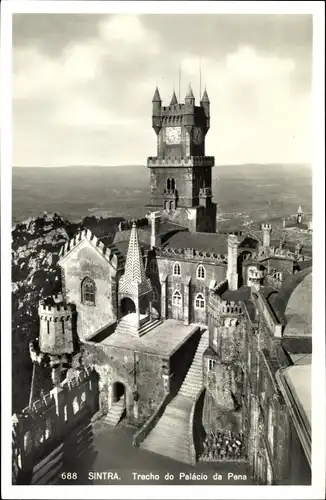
(299,211)
(205,96)
(156,97)
(134,279)
(190,94)
(174,99)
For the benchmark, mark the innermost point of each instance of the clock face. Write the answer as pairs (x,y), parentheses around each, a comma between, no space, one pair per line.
(173,135)
(198,135)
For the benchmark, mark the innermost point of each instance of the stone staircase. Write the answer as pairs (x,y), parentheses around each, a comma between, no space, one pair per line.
(125,326)
(115,413)
(170,436)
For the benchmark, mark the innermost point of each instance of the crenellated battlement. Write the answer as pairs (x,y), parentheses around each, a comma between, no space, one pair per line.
(54,312)
(267,252)
(266,227)
(50,419)
(192,253)
(86,234)
(179,161)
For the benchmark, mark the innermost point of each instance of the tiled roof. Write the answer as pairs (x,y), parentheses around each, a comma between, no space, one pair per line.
(207,242)
(134,278)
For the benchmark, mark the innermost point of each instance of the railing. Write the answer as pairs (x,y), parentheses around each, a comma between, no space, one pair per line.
(149,425)
(193,434)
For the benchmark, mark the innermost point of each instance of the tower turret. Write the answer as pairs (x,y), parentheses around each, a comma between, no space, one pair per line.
(267,229)
(56,335)
(174,99)
(232,274)
(299,215)
(157,109)
(189,108)
(205,103)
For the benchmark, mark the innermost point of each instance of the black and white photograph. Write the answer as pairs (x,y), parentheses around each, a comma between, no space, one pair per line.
(162,224)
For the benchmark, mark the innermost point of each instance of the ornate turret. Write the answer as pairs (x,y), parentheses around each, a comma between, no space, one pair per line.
(205,103)
(189,109)
(174,99)
(157,107)
(134,285)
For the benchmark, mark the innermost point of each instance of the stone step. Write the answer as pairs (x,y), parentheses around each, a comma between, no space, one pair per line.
(156,444)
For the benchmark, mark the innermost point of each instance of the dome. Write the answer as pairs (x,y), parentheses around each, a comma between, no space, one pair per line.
(298,312)
(293,304)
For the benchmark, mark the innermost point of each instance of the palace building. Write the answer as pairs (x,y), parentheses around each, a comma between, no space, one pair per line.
(191,331)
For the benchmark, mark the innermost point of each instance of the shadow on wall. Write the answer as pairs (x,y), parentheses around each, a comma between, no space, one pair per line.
(181,361)
(63,456)
(199,430)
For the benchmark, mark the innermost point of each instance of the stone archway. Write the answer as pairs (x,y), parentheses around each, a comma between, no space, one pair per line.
(118,392)
(127,306)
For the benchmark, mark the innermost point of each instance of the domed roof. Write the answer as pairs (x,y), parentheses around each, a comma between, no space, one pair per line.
(298,312)
(293,304)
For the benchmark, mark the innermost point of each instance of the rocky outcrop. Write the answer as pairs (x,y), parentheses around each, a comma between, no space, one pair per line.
(36,243)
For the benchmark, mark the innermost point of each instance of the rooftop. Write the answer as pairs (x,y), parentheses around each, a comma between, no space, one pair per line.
(298,312)
(162,340)
(279,301)
(206,242)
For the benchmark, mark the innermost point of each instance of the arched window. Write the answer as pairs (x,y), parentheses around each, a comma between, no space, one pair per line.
(201,272)
(88,291)
(176,298)
(168,183)
(153,266)
(155,294)
(199,301)
(173,184)
(176,269)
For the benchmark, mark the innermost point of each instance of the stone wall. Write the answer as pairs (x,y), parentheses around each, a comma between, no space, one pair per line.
(36,430)
(118,365)
(84,261)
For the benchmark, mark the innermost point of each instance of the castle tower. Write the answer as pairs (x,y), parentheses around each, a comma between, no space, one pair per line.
(299,215)
(181,174)
(267,229)
(232,274)
(134,286)
(57,323)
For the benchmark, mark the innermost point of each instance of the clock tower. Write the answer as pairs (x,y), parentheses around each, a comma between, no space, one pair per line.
(181,174)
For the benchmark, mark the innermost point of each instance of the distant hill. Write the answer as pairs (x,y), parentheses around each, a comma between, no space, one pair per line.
(77,191)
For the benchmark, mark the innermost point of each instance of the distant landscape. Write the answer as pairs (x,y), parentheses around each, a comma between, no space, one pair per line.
(242,191)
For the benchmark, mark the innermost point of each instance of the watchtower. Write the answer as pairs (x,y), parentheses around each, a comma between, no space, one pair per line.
(57,323)
(181,174)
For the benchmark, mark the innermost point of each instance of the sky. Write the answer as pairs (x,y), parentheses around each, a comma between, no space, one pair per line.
(83,85)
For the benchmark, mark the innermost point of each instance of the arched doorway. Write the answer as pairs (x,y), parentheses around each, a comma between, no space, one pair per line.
(127,306)
(118,392)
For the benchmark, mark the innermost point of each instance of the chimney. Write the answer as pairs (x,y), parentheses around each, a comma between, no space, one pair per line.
(267,229)
(154,220)
(232,275)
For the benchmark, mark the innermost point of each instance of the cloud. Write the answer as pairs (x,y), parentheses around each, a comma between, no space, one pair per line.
(91,101)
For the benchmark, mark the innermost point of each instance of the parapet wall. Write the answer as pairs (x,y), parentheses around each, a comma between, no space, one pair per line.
(267,252)
(265,309)
(179,161)
(50,419)
(192,254)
